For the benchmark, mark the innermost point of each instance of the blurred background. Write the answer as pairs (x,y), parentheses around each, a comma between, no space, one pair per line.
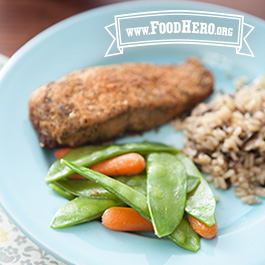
(20,20)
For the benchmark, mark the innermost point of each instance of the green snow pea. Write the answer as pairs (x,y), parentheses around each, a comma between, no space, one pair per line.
(193,182)
(81,210)
(57,169)
(201,202)
(138,201)
(138,182)
(58,172)
(185,235)
(125,193)
(90,189)
(166,192)
(59,190)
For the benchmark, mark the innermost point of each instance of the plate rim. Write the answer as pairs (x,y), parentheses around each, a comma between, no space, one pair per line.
(22,51)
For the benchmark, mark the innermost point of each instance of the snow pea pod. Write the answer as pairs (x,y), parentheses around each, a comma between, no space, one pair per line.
(90,189)
(57,169)
(166,192)
(201,202)
(81,210)
(56,173)
(138,182)
(137,201)
(185,236)
(193,182)
(59,190)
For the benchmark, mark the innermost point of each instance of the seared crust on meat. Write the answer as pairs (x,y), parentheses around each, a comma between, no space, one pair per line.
(101,103)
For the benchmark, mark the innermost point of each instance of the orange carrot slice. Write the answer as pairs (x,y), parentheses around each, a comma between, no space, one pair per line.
(127,164)
(61,152)
(203,229)
(125,219)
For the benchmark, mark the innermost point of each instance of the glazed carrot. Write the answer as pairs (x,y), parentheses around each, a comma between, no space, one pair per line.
(203,229)
(125,219)
(127,164)
(61,152)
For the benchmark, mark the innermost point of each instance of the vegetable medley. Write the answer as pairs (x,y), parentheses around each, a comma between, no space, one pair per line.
(134,187)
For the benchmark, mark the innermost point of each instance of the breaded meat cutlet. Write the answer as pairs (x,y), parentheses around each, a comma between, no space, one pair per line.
(102,103)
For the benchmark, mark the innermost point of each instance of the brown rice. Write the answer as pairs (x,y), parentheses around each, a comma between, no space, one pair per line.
(226,139)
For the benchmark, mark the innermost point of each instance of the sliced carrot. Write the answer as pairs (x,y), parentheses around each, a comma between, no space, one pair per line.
(127,164)
(203,229)
(125,219)
(61,152)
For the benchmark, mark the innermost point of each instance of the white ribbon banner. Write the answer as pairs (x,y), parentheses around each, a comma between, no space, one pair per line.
(179,27)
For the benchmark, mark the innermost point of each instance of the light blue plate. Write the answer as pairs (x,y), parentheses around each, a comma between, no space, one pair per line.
(79,42)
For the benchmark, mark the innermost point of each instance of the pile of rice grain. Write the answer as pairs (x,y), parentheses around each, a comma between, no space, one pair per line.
(226,139)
